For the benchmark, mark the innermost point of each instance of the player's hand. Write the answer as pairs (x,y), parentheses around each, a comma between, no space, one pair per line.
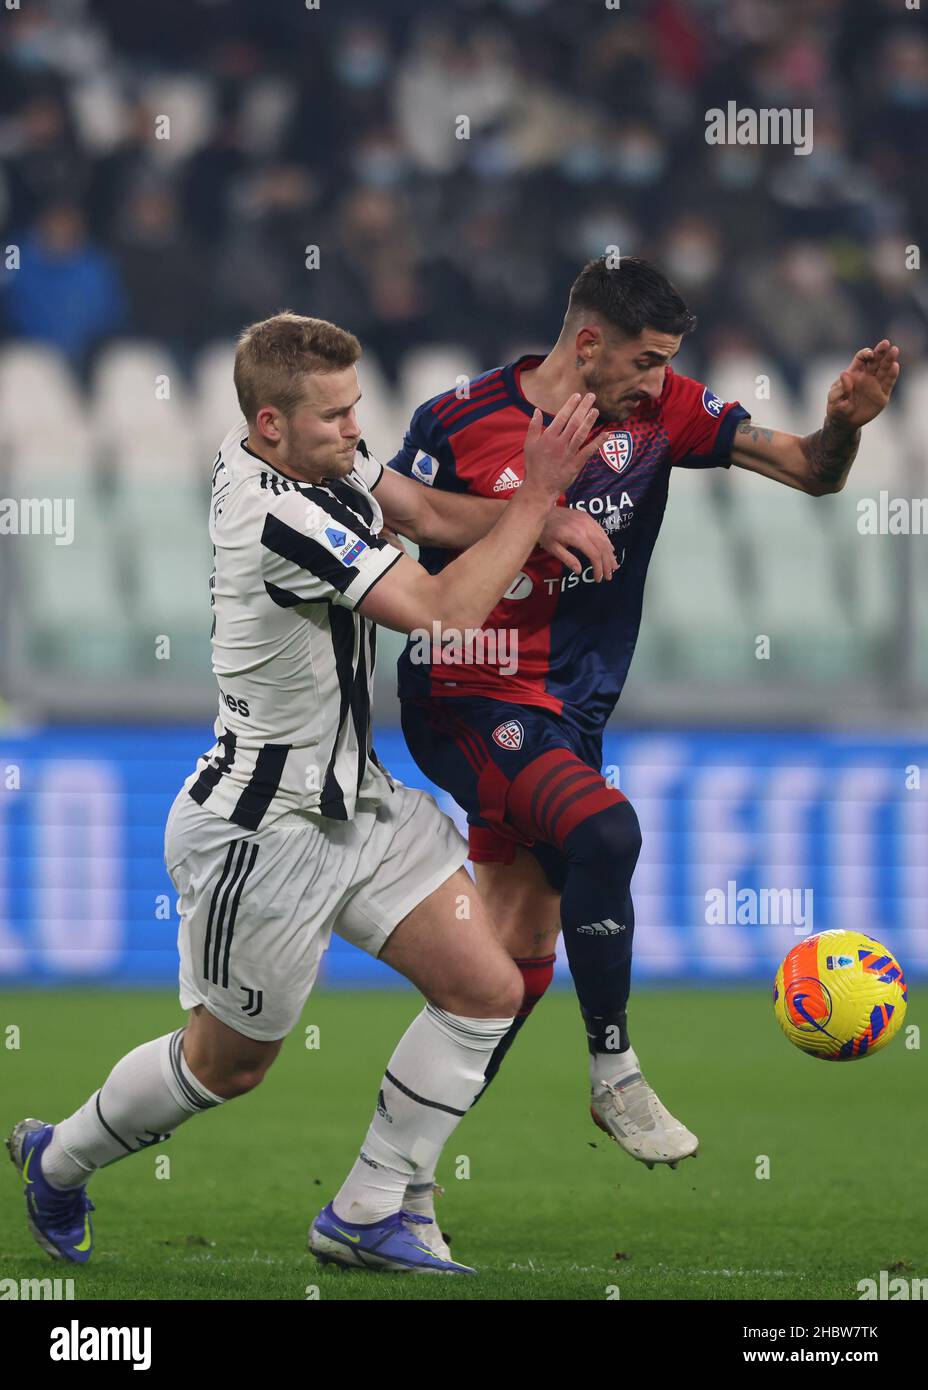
(555,455)
(567,530)
(861,392)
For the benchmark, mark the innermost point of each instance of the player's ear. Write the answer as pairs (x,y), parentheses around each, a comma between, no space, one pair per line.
(267,423)
(588,340)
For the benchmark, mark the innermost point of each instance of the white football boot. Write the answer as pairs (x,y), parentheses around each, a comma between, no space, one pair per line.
(631,1114)
(421,1202)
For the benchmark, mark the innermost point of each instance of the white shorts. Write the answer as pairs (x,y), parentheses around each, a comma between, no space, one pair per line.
(258,908)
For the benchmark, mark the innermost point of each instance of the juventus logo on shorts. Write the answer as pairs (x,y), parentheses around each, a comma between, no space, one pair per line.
(255,1002)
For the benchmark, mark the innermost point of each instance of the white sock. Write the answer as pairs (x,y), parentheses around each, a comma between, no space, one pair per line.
(420,1197)
(146,1096)
(431,1080)
(613,1066)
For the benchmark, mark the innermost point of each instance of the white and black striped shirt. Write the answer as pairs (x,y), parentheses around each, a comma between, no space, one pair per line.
(294,662)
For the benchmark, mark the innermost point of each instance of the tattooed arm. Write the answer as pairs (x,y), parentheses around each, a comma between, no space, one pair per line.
(814,463)
(819,463)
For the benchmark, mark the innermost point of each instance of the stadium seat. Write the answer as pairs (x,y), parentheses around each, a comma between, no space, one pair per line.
(796,600)
(694,594)
(100,111)
(168,585)
(913,401)
(52,465)
(38,395)
(69,599)
(427,371)
(215,404)
(913,551)
(189,101)
(382,422)
(739,378)
(869,573)
(145,499)
(131,412)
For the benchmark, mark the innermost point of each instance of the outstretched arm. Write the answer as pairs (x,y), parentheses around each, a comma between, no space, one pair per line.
(407,598)
(456,521)
(819,463)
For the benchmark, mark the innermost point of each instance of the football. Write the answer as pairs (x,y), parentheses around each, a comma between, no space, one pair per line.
(840,995)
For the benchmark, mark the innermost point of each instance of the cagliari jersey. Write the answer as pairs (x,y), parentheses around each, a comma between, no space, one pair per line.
(294,661)
(575,637)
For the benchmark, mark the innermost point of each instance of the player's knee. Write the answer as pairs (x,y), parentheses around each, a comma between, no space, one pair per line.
(509,1001)
(238,1080)
(610,836)
(252,1076)
(497,995)
(502,997)
(231,1073)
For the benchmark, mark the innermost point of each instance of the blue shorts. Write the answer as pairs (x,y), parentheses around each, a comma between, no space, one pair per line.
(523,775)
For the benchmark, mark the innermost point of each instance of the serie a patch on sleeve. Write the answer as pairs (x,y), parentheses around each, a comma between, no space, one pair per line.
(344,544)
(424,467)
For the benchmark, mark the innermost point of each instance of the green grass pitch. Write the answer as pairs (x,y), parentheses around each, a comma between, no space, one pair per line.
(551,1209)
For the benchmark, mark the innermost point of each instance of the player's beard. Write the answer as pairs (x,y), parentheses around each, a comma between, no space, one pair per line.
(338,463)
(610,402)
(345,460)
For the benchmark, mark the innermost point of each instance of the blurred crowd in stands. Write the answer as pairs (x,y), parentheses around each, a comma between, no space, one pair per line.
(338,127)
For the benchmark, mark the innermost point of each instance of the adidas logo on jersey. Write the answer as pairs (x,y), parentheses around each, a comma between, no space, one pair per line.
(507,481)
(604,928)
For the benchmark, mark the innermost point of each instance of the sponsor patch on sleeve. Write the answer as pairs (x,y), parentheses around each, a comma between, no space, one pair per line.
(424,467)
(344,544)
(711,404)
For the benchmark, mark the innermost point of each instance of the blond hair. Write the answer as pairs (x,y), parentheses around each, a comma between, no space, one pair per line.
(273,356)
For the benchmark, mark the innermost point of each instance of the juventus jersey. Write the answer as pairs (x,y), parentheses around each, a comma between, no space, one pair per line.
(294,661)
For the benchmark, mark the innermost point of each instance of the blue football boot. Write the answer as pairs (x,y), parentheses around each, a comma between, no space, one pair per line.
(390,1244)
(59,1220)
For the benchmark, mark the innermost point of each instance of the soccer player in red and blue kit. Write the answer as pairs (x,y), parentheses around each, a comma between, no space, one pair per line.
(518,744)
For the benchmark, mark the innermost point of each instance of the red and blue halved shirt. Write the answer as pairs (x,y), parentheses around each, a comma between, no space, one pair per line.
(575,637)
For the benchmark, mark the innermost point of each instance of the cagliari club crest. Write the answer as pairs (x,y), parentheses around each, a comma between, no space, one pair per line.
(616,449)
(508,735)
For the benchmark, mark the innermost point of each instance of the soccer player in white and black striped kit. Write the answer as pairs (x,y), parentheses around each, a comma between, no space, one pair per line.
(289,828)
